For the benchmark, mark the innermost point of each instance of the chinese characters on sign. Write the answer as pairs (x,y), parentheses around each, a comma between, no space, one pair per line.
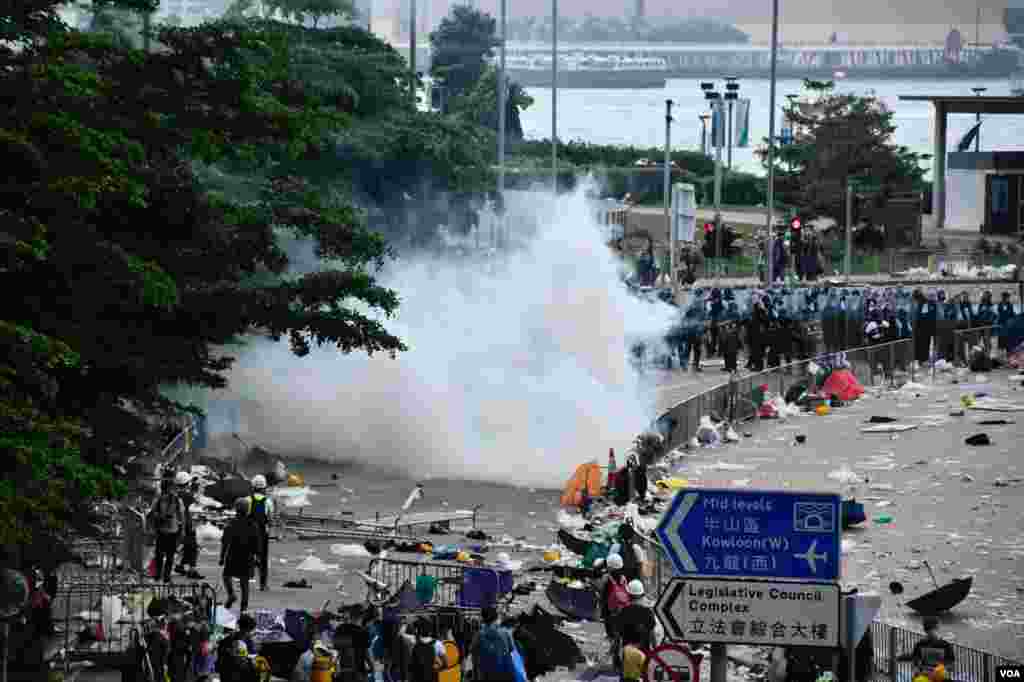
(766,534)
(751,612)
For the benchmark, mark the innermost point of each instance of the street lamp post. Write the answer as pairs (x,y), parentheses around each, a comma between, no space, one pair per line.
(554,97)
(977,120)
(704,133)
(502,105)
(715,98)
(771,136)
(732,89)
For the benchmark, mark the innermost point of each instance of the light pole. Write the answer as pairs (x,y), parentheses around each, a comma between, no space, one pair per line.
(732,92)
(771,139)
(412,51)
(554,97)
(977,120)
(704,133)
(715,98)
(502,104)
(668,193)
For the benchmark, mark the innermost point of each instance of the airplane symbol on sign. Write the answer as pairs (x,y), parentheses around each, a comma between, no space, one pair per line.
(810,556)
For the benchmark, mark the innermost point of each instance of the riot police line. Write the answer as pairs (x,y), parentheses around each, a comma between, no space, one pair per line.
(784,324)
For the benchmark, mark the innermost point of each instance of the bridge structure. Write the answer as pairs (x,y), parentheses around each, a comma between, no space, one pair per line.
(975,60)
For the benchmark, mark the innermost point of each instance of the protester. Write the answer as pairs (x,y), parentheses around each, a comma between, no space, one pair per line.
(240,549)
(167,518)
(304,668)
(189,491)
(932,650)
(261,510)
(614,596)
(636,622)
(491,650)
(233,662)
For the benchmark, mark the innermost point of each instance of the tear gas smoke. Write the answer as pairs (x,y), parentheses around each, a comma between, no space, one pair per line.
(516,373)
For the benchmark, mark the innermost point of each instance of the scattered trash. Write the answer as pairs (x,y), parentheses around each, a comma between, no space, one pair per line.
(316,565)
(883,518)
(888,428)
(979,439)
(357,551)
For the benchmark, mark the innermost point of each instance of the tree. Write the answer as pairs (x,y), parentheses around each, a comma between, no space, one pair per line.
(842,136)
(479,105)
(460,48)
(124,270)
(300,10)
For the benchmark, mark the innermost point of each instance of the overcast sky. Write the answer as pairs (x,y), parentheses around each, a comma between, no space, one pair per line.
(800,20)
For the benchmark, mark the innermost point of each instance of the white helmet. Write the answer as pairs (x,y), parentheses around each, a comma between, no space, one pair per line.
(182,478)
(259,482)
(614,562)
(635,588)
(504,558)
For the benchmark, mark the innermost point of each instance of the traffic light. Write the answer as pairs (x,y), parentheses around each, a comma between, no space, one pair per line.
(709,228)
(795,224)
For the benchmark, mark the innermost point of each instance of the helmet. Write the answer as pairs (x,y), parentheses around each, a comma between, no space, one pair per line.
(182,478)
(614,562)
(635,588)
(504,558)
(242,505)
(259,482)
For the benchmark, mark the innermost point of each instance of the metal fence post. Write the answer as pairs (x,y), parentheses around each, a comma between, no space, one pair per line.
(892,653)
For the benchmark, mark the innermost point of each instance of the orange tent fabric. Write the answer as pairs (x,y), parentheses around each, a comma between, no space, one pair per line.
(842,384)
(587,478)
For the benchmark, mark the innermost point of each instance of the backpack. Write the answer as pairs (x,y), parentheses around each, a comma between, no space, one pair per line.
(494,654)
(168,516)
(421,662)
(617,595)
(258,510)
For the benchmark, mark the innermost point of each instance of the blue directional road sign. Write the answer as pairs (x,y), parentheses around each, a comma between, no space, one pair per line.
(770,534)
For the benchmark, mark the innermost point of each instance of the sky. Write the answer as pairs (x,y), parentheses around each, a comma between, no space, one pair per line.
(865,21)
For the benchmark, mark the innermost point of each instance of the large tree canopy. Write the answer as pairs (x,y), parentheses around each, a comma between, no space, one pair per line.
(125,266)
(460,48)
(841,136)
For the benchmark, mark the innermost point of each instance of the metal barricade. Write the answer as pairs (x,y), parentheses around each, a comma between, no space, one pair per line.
(449,578)
(966,339)
(98,618)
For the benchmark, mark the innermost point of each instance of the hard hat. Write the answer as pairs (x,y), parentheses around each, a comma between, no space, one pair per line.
(259,482)
(614,562)
(504,558)
(242,505)
(635,588)
(182,478)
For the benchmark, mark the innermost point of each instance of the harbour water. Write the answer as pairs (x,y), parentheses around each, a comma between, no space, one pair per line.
(637,117)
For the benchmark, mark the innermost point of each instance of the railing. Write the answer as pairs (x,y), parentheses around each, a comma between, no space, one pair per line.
(890,642)
(873,366)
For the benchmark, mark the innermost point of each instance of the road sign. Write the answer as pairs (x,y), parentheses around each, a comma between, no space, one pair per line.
(760,612)
(672,663)
(767,534)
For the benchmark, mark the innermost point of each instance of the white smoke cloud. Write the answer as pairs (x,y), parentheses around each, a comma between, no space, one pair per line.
(515,373)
